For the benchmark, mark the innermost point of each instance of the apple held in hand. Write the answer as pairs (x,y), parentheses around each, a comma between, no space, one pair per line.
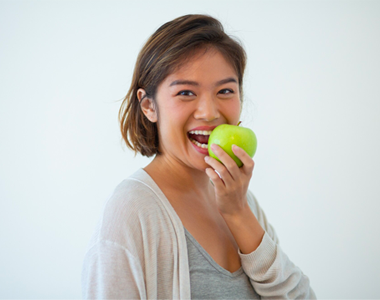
(226,135)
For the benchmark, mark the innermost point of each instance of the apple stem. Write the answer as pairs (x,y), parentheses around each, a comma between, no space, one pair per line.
(238,123)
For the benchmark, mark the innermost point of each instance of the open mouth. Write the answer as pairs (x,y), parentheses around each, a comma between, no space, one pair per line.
(199,137)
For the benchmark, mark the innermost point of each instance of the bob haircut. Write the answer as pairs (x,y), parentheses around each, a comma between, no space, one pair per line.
(165,51)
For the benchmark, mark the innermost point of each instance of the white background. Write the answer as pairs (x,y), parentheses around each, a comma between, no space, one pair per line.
(312,96)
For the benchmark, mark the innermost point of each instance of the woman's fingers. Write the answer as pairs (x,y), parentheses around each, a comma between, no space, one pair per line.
(216,180)
(248,163)
(228,169)
(232,184)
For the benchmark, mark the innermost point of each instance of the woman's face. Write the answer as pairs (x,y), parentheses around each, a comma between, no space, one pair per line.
(204,93)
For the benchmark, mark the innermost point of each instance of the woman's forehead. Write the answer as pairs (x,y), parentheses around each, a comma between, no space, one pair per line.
(202,67)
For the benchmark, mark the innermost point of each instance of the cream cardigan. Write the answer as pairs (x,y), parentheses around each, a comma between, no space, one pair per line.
(138,251)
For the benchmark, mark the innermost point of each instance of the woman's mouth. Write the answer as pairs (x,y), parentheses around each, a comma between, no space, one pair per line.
(200,138)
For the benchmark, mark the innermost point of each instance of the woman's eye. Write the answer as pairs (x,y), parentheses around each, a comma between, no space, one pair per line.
(226,91)
(186,93)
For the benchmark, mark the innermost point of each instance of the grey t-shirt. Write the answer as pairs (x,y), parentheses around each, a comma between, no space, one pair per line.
(208,280)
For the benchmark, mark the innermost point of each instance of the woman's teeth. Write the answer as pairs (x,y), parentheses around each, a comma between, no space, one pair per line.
(203,132)
(200,132)
(204,146)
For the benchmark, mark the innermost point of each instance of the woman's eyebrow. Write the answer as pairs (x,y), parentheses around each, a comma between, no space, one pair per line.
(189,82)
(176,82)
(227,80)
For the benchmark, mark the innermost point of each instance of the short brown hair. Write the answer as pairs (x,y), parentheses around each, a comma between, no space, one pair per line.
(171,45)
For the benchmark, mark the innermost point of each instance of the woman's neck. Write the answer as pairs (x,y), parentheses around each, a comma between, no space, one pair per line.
(180,177)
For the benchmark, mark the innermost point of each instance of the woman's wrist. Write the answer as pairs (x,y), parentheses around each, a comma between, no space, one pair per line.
(246,230)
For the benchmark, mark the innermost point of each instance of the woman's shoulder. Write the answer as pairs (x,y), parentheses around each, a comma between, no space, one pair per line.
(261,216)
(253,203)
(134,206)
(136,194)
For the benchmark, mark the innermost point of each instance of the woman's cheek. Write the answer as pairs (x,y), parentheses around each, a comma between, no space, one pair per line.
(232,111)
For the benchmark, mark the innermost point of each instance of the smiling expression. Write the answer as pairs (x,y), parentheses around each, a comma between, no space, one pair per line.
(202,94)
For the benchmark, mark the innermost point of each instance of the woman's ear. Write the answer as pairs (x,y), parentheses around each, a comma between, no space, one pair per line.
(147,106)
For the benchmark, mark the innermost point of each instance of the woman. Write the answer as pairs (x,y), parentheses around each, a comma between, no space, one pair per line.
(176,229)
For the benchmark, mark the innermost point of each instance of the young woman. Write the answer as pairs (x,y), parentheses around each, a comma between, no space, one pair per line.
(186,226)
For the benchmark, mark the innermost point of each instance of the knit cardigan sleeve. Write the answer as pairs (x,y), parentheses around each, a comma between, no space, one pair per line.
(112,272)
(272,274)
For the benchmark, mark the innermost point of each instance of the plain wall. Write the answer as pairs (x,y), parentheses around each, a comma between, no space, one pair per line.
(312,96)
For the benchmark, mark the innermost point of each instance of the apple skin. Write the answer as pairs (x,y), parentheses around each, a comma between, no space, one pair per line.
(226,135)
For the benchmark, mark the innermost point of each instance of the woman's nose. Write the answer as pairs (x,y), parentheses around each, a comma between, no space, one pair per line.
(207,109)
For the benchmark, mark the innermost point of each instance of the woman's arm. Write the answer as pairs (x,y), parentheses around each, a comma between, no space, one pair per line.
(272,274)
(246,229)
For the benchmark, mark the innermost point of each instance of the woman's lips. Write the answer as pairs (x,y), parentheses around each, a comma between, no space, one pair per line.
(205,128)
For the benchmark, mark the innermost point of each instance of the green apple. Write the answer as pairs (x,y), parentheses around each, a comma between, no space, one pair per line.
(226,135)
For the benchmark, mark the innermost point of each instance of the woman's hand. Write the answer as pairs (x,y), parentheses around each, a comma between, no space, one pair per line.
(231,188)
